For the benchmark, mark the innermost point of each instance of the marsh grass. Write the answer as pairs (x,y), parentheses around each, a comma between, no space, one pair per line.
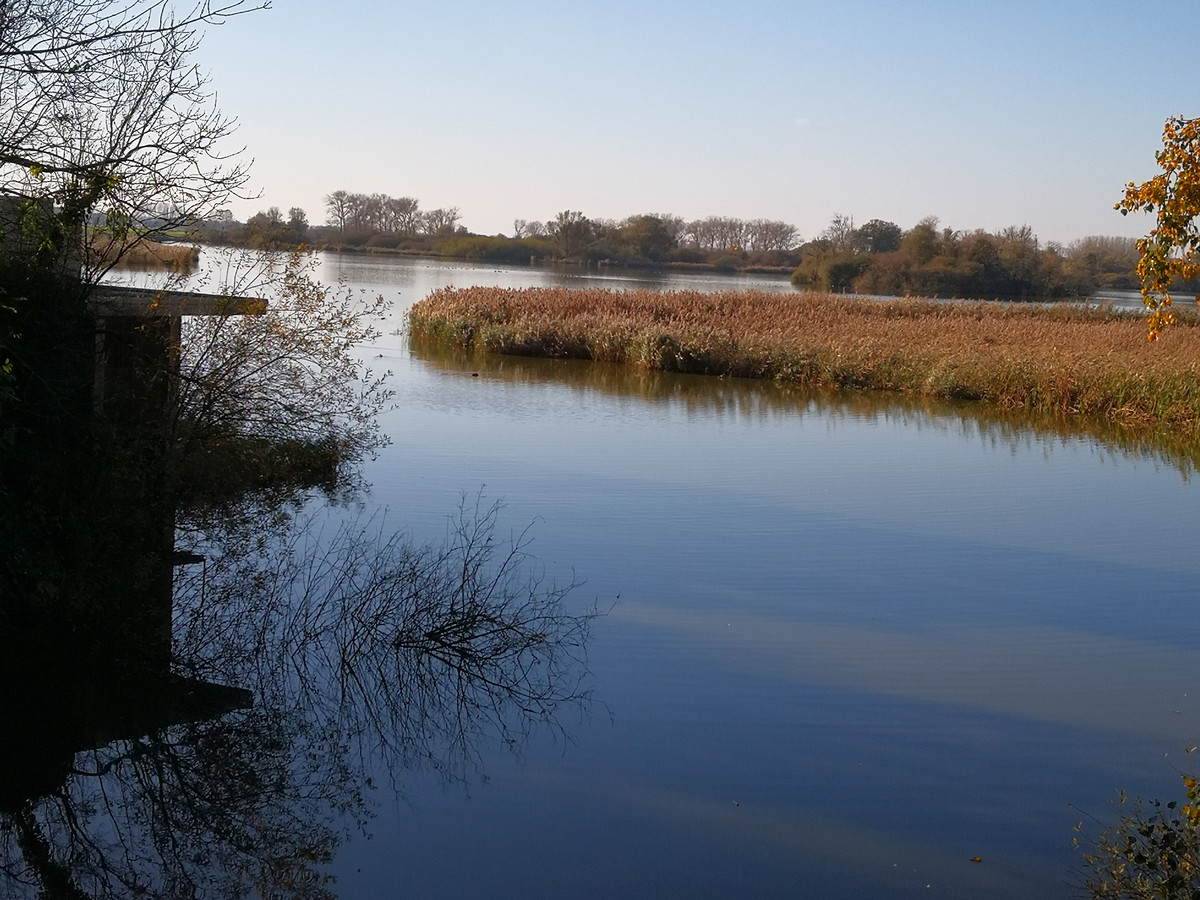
(1065,360)
(146,255)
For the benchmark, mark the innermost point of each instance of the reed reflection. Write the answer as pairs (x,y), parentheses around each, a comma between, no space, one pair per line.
(711,396)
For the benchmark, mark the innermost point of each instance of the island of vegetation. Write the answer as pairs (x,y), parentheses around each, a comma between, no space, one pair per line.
(1065,359)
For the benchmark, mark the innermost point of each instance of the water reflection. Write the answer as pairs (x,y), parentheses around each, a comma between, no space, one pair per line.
(302,665)
(739,398)
(420,275)
(203,676)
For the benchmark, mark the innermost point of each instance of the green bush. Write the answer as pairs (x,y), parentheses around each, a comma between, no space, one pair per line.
(491,249)
(839,274)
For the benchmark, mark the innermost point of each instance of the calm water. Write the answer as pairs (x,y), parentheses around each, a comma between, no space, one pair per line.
(852,642)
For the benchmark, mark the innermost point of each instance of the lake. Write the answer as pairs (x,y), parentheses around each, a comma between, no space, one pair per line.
(852,645)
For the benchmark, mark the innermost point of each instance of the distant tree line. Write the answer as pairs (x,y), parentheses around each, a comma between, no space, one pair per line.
(878,257)
(881,258)
(648,238)
(650,234)
(380,222)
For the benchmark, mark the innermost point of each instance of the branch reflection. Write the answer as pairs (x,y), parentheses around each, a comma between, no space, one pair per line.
(200,681)
(304,661)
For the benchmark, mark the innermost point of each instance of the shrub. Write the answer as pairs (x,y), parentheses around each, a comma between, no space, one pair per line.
(1154,852)
(687,255)
(384,241)
(492,249)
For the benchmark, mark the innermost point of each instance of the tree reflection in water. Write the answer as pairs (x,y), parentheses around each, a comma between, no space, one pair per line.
(363,652)
(177,729)
(426,649)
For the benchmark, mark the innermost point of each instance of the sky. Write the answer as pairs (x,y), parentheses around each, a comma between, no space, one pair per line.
(984,114)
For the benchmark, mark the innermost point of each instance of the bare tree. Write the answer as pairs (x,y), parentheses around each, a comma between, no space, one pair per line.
(358,214)
(337,209)
(840,234)
(718,233)
(103,111)
(377,213)
(405,213)
(440,220)
(766,235)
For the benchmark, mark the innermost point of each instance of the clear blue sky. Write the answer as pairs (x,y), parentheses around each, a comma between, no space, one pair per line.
(985,114)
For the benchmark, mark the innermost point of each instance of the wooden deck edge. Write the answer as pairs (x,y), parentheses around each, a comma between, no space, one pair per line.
(107,300)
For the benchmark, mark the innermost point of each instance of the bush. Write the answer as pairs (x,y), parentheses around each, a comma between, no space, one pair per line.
(491,249)
(840,273)
(687,255)
(1154,852)
(384,241)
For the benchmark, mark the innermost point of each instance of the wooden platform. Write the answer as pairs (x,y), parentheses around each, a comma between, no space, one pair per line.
(109,300)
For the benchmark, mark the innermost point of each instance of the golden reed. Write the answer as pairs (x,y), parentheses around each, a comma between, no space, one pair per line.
(1065,359)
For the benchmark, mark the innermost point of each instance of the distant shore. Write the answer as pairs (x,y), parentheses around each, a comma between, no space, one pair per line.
(430,252)
(1066,360)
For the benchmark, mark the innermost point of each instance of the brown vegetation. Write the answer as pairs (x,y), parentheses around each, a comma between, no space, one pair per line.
(145,254)
(1060,359)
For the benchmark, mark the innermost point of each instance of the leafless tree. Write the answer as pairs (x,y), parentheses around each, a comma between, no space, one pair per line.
(375,213)
(404,213)
(718,233)
(337,209)
(840,234)
(104,112)
(440,220)
(766,235)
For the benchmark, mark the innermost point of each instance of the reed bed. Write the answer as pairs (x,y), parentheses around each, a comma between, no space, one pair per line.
(146,254)
(1062,359)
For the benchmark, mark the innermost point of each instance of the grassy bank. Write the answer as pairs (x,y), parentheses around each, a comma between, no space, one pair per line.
(1060,359)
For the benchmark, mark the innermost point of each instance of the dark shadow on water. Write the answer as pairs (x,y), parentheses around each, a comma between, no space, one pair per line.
(205,662)
(232,750)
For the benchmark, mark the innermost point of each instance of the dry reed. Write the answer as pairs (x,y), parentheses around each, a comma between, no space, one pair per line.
(1061,359)
(146,254)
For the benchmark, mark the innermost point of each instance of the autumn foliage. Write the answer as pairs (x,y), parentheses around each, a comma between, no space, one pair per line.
(1170,253)
(1154,851)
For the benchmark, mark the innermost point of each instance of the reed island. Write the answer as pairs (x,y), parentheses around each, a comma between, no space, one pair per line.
(1063,359)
